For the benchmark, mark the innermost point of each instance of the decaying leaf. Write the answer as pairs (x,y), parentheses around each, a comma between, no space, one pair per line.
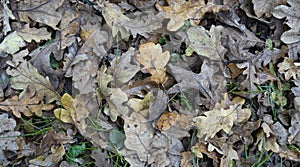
(75,112)
(31,33)
(265,7)
(220,119)
(179,11)
(116,102)
(139,135)
(289,69)
(125,68)
(207,43)
(113,15)
(11,141)
(41,11)
(12,43)
(6,13)
(25,74)
(154,61)
(292,15)
(166,120)
(28,102)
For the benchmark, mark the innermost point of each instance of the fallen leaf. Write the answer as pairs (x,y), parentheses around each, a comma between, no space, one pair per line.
(113,15)
(29,103)
(207,43)
(154,61)
(6,14)
(125,68)
(219,119)
(44,12)
(289,69)
(25,74)
(292,15)
(116,102)
(265,7)
(179,11)
(11,141)
(12,43)
(166,120)
(32,33)
(139,135)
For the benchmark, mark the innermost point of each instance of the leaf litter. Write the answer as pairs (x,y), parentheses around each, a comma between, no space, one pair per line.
(149,83)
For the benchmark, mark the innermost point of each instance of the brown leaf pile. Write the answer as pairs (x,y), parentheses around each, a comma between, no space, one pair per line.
(157,83)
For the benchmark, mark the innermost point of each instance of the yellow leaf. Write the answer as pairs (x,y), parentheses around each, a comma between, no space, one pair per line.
(63,115)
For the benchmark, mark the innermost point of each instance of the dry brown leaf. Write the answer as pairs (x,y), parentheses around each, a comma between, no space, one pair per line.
(6,13)
(12,43)
(40,11)
(181,10)
(32,33)
(139,135)
(292,15)
(289,69)
(25,74)
(154,61)
(11,141)
(207,43)
(200,148)
(220,119)
(29,103)
(265,7)
(230,154)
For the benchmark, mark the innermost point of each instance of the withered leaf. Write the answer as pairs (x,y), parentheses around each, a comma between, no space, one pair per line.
(32,33)
(12,43)
(25,74)
(154,61)
(289,69)
(29,103)
(139,135)
(181,10)
(265,7)
(207,43)
(44,12)
(292,15)
(219,119)
(116,105)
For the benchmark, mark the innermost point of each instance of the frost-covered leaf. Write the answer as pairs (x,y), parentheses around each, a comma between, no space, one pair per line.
(181,10)
(28,102)
(29,34)
(207,43)
(25,74)
(41,11)
(12,43)
(154,61)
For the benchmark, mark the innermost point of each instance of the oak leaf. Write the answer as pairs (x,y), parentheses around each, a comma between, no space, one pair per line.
(29,34)
(12,43)
(207,43)
(154,61)
(220,119)
(43,12)
(25,74)
(179,11)
(292,15)
(28,103)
